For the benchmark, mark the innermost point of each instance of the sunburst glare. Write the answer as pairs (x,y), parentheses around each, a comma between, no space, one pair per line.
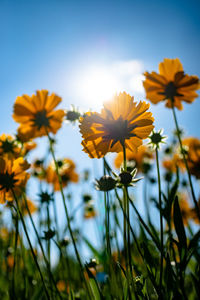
(96,84)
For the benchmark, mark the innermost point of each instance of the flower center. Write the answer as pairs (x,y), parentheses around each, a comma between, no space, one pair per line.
(41,119)
(170,90)
(118,130)
(7,146)
(7,181)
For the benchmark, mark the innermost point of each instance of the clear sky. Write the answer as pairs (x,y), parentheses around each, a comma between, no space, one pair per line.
(79,49)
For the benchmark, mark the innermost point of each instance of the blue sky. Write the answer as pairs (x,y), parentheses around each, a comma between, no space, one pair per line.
(45,44)
(54,45)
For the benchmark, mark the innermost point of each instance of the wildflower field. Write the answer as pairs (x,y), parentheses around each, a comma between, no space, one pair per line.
(148,253)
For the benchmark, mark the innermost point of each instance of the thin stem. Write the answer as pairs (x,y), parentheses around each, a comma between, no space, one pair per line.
(126,228)
(30,245)
(146,206)
(185,161)
(107,217)
(48,240)
(108,223)
(56,219)
(41,247)
(15,253)
(67,216)
(161,220)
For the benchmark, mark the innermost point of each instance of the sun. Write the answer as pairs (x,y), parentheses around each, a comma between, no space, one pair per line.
(93,84)
(97,85)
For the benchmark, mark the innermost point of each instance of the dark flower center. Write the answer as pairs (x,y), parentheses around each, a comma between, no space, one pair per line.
(45,197)
(41,119)
(156,138)
(125,177)
(118,130)
(60,163)
(7,181)
(170,90)
(7,146)
(65,178)
(72,115)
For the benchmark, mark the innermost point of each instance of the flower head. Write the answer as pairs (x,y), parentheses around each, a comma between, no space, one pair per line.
(31,206)
(126,178)
(105,183)
(89,211)
(191,147)
(38,169)
(13,177)
(122,122)
(66,169)
(36,114)
(171,84)
(72,115)
(135,159)
(9,146)
(156,139)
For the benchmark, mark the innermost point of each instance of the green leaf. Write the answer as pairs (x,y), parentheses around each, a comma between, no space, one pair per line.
(94,285)
(194,241)
(179,227)
(38,293)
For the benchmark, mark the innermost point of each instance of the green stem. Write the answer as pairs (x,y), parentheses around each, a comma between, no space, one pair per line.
(126,228)
(68,218)
(185,162)
(146,206)
(161,220)
(108,223)
(15,254)
(55,218)
(41,247)
(30,245)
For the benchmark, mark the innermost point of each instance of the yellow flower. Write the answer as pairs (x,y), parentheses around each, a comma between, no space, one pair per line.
(66,168)
(28,146)
(31,205)
(89,211)
(191,146)
(194,215)
(36,114)
(38,169)
(171,83)
(61,285)
(12,177)
(9,146)
(138,158)
(121,122)
(171,164)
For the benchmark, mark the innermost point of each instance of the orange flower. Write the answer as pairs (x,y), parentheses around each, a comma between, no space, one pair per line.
(194,214)
(138,158)
(9,146)
(31,205)
(28,146)
(10,261)
(171,84)
(38,169)
(121,122)
(12,177)
(61,285)
(89,211)
(192,148)
(36,114)
(66,168)
(172,163)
